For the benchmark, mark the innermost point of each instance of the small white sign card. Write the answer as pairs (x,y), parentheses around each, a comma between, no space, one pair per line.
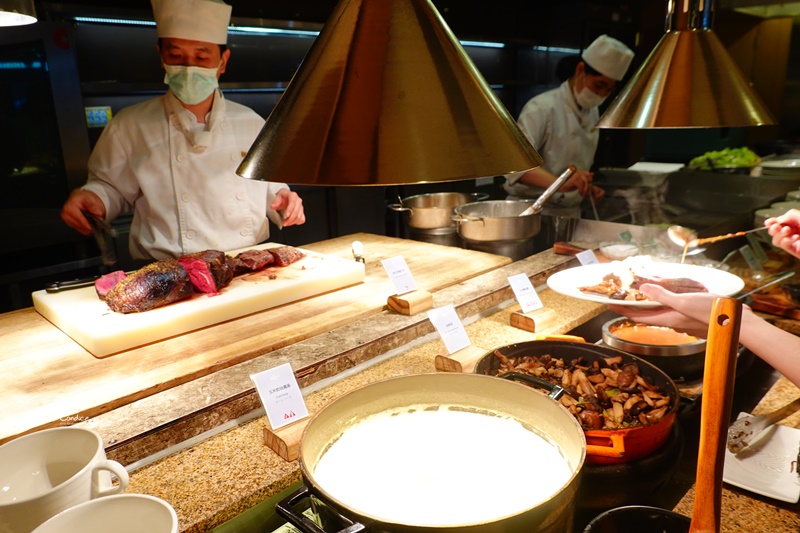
(587,257)
(450,329)
(526,295)
(281,396)
(400,274)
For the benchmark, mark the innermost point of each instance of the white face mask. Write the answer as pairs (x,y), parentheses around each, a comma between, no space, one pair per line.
(191,84)
(588,99)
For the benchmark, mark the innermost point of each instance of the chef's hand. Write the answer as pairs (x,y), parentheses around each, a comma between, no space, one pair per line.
(596,192)
(580,180)
(688,312)
(290,206)
(80,200)
(785,231)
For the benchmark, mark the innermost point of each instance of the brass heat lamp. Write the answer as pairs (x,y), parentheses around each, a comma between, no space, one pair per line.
(688,80)
(387,96)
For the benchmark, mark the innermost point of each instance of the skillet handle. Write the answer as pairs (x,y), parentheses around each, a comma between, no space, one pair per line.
(553,337)
(715,412)
(286,508)
(556,391)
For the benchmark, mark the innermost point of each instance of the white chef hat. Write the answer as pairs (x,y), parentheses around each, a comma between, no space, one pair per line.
(608,56)
(195,20)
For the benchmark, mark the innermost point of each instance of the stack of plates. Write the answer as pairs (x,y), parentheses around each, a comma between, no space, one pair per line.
(789,168)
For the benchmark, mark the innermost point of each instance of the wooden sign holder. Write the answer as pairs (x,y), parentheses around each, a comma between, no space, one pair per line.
(540,319)
(286,440)
(410,303)
(464,360)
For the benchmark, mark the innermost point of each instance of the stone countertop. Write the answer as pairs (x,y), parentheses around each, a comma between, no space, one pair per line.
(224,475)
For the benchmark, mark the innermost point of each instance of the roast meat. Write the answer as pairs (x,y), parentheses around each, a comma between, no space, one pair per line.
(154,285)
(286,255)
(105,283)
(209,270)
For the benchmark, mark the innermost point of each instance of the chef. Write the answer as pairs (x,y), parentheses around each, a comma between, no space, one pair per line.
(560,124)
(172,160)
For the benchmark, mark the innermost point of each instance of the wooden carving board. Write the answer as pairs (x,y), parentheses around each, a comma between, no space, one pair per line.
(47,377)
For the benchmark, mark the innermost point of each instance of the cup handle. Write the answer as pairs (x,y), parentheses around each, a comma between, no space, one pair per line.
(117,470)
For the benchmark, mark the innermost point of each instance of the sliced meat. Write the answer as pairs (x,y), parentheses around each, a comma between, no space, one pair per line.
(209,270)
(252,261)
(286,255)
(154,285)
(105,283)
(676,285)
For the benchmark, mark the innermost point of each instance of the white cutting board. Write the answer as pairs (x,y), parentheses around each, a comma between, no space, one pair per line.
(88,321)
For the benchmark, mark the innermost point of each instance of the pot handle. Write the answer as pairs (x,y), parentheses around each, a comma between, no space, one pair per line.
(398,207)
(479,196)
(286,508)
(465,218)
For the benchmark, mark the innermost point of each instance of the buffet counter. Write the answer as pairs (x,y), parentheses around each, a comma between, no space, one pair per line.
(200,444)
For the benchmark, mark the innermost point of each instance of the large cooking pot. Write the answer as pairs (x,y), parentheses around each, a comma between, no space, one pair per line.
(604,446)
(504,220)
(679,355)
(451,395)
(433,210)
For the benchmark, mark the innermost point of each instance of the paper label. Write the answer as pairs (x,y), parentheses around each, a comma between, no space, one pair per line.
(281,396)
(526,295)
(587,257)
(400,274)
(450,329)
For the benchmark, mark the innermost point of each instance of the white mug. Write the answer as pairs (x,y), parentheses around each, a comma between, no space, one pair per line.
(123,513)
(46,472)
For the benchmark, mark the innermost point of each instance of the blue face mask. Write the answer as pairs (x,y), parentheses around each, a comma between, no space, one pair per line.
(190,84)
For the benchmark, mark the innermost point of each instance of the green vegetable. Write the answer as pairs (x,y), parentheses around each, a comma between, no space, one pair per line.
(725,158)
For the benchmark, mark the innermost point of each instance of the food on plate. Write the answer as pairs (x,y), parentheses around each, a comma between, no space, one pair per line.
(606,393)
(153,285)
(170,280)
(625,278)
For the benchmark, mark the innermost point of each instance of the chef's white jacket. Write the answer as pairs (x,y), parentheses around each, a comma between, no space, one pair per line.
(563,134)
(184,199)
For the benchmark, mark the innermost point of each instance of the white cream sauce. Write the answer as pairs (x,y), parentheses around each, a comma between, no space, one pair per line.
(442,467)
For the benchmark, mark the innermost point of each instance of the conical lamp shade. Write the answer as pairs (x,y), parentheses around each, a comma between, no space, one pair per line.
(688,81)
(17,12)
(386,96)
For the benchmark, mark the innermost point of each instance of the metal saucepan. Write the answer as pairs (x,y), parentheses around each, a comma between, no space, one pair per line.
(604,446)
(718,383)
(461,393)
(680,356)
(433,210)
(504,220)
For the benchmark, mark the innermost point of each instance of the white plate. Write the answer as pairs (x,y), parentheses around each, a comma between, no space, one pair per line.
(766,467)
(566,282)
(782,164)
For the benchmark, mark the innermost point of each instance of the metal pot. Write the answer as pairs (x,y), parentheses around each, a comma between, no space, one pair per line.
(604,446)
(461,392)
(433,210)
(679,361)
(504,220)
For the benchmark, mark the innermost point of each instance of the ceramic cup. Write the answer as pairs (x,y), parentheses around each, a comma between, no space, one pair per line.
(123,513)
(46,472)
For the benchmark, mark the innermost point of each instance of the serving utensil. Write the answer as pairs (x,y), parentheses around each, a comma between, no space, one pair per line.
(745,430)
(683,236)
(551,190)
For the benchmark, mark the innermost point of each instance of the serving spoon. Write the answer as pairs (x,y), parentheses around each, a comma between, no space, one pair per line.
(683,236)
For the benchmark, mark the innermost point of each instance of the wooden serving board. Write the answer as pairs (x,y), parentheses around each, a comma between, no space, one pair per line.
(49,380)
(88,321)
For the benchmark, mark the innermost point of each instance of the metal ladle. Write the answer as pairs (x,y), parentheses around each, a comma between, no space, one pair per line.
(683,236)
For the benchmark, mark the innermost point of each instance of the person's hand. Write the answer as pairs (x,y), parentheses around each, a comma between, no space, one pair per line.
(688,312)
(785,231)
(596,192)
(580,180)
(80,200)
(290,206)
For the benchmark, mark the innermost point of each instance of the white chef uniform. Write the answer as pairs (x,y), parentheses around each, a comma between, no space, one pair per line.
(563,134)
(184,200)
